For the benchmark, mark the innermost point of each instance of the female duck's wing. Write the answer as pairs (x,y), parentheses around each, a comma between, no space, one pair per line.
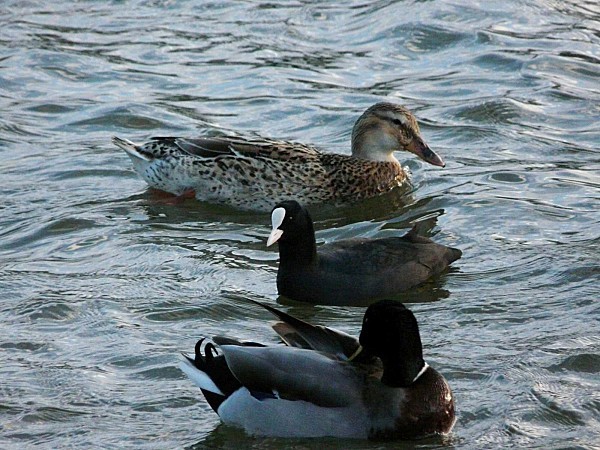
(295,374)
(210,147)
(297,333)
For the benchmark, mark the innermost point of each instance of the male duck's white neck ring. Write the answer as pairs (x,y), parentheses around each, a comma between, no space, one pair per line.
(421,372)
(358,351)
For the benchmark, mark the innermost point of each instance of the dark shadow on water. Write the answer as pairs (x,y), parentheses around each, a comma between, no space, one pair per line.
(159,205)
(226,437)
(380,208)
(430,291)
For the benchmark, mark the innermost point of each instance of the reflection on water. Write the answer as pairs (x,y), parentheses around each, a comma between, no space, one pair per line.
(103,282)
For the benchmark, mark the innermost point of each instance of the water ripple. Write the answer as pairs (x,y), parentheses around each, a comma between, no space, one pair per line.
(103,282)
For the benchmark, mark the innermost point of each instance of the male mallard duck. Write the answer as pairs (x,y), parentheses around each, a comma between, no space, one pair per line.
(252,173)
(326,382)
(351,271)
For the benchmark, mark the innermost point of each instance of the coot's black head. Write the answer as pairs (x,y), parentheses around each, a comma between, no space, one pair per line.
(291,222)
(390,331)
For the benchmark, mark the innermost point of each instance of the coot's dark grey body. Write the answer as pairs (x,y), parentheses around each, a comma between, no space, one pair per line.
(351,271)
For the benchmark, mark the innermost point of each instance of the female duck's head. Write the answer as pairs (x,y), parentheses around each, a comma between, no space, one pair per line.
(385,128)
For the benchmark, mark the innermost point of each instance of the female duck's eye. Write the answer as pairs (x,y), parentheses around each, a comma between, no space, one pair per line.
(405,129)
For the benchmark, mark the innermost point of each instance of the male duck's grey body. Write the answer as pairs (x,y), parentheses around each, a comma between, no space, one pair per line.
(325,382)
(352,271)
(252,173)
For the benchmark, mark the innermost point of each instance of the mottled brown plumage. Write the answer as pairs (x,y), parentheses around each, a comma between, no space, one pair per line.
(252,173)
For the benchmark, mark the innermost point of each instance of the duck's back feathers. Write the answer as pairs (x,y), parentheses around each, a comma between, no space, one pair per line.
(204,147)
(211,147)
(294,374)
(298,333)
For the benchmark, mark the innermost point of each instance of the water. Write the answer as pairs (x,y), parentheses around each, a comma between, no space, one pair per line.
(102,283)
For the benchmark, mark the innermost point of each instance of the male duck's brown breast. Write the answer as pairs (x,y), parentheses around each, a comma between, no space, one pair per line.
(429,409)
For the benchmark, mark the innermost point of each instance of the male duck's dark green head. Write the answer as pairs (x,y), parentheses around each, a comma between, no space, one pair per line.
(390,332)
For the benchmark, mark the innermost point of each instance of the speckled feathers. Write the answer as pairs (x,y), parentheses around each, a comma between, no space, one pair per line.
(254,173)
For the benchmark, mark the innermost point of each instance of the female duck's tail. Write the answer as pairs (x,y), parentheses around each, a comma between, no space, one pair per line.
(132,149)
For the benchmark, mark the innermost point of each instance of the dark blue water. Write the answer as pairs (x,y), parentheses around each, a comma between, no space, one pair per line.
(102,283)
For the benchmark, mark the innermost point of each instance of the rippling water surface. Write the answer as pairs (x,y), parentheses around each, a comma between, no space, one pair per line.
(102,283)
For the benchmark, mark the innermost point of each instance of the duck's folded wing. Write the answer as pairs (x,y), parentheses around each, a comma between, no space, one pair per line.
(210,147)
(295,374)
(297,333)
(205,147)
(226,340)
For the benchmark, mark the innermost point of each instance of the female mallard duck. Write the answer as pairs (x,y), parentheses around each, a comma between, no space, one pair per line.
(350,271)
(252,173)
(326,382)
